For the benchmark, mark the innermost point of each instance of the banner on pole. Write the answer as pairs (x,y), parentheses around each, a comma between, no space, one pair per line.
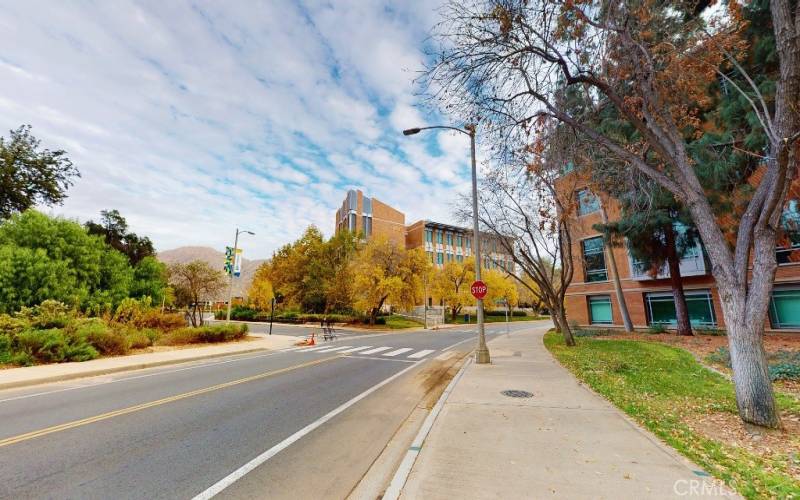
(237,263)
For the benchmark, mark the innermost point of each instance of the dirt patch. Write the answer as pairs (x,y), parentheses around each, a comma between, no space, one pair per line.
(729,428)
(703,345)
(435,377)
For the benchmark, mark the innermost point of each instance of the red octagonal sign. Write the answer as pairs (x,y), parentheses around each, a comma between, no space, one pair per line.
(479,289)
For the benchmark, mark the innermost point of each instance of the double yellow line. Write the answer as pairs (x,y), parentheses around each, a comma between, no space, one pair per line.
(131,409)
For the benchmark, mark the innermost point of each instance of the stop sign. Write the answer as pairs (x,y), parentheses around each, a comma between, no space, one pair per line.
(479,289)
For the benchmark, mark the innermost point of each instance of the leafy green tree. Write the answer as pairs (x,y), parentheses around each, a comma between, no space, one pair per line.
(150,280)
(30,175)
(44,257)
(114,229)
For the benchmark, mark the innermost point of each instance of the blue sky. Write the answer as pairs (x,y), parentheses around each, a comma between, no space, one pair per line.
(194,117)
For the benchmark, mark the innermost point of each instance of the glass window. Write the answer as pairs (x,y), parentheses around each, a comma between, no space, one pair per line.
(788,247)
(458,241)
(449,239)
(439,257)
(438,236)
(429,236)
(784,310)
(366,205)
(430,255)
(594,259)
(600,310)
(351,222)
(468,242)
(367,225)
(449,257)
(661,308)
(459,258)
(588,202)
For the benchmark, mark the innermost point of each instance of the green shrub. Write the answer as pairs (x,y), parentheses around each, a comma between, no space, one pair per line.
(784,371)
(708,330)
(138,339)
(22,359)
(153,318)
(129,310)
(656,328)
(204,334)
(51,346)
(11,325)
(48,314)
(102,337)
(5,348)
(722,356)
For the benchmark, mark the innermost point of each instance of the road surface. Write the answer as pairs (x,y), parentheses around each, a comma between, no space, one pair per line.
(298,423)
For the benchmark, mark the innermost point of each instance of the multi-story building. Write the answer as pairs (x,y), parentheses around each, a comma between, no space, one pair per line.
(443,243)
(591,297)
(370,216)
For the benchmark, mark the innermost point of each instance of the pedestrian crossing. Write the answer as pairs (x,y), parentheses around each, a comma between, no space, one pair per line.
(381,352)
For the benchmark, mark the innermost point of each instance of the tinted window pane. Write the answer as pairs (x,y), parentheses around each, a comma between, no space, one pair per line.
(600,309)
(594,259)
(785,309)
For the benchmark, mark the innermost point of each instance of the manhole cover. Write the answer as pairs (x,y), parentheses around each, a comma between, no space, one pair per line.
(513,393)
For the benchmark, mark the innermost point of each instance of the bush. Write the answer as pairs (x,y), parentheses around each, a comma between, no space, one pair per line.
(204,334)
(708,330)
(138,339)
(48,314)
(102,337)
(155,319)
(721,356)
(12,326)
(784,371)
(51,346)
(657,328)
(5,348)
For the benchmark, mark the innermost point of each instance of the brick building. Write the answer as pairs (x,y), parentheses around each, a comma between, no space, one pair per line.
(591,297)
(443,243)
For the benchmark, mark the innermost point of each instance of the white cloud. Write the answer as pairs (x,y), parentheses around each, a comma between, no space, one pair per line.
(194,118)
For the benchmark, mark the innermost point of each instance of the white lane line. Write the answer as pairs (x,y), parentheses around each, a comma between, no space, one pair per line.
(402,472)
(356,349)
(377,349)
(398,351)
(335,349)
(376,358)
(234,476)
(420,354)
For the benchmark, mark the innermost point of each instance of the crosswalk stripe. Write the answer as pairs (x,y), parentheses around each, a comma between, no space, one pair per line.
(318,348)
(335,348)
(377,349)
(398,351)
(420,354)
(356,349)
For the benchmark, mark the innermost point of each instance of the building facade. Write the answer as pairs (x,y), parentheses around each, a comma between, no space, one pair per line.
(370,216)
(442,243)
(591,297)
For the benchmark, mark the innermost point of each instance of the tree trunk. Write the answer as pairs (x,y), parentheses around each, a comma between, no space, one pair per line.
(612,259)
(560,317)
(754,395)
(684,326)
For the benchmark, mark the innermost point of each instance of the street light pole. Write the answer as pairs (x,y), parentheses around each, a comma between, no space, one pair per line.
(482,352)
(230,280)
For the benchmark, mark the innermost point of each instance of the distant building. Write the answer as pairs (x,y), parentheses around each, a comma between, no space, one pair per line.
(370,216)
(442,243)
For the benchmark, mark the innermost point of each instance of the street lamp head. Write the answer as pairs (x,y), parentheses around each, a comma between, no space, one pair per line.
(249,232)
(411,131)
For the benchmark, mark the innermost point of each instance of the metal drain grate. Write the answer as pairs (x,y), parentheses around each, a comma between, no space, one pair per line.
(513,393)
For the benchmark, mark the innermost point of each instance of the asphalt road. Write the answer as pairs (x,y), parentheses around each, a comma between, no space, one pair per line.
(288,424)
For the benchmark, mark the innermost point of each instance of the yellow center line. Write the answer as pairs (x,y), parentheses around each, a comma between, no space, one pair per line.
(131,409)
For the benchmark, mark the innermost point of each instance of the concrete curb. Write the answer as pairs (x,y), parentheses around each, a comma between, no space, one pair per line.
(118,369)
(404,470)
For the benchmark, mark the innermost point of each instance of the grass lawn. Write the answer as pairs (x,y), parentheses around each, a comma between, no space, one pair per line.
(395,322)
(692,409)
(491,319)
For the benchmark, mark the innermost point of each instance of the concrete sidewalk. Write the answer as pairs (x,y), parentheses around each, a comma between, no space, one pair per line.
(564,442)
(41,374)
